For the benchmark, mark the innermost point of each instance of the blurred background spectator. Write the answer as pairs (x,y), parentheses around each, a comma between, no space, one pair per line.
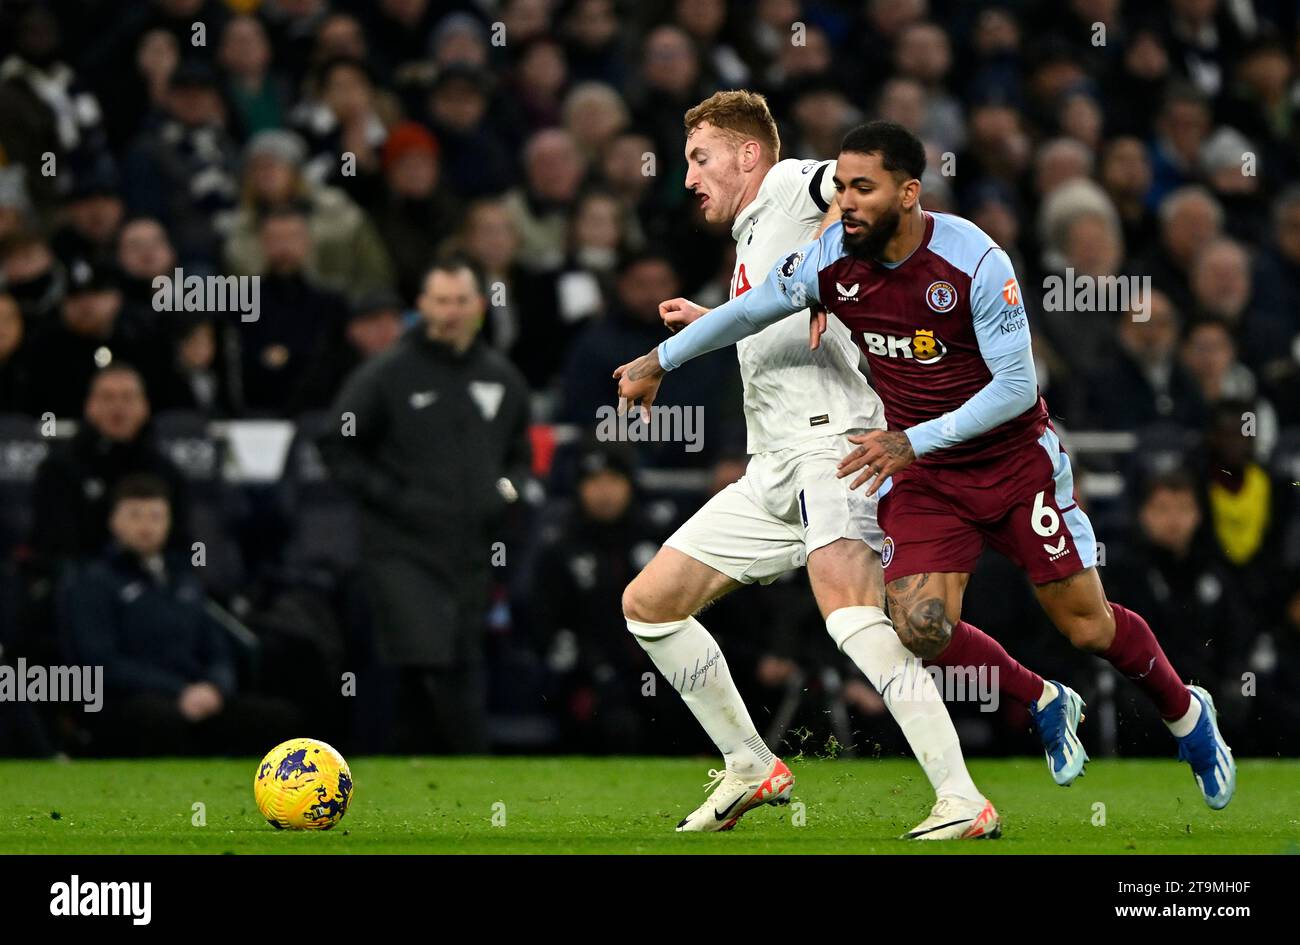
(170,683)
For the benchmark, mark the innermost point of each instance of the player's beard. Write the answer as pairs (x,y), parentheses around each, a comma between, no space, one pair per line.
(871,242)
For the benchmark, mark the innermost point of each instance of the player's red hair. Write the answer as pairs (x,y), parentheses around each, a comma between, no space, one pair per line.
(740,114)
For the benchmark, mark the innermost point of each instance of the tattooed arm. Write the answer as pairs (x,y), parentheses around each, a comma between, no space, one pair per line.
(881,452)
(638,382)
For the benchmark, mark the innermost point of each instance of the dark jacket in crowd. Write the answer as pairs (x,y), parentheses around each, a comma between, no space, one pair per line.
(413,230)
(711,382)
(62,362)
(425,435)
(297,317)
(183,177)
(16,383)
(1270,708)
(1120,396)
(30,127)
(148,629)
(582,568)
(1192,604)
(1197,613)
(71,493)
(1271,323)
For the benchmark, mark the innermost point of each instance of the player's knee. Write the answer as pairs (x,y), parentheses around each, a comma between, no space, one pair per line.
(634,604)
(642,605)
(1091,632)
(924,628)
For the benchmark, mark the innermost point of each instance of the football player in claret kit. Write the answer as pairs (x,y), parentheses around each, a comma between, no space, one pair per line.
(970,456)
(790,507)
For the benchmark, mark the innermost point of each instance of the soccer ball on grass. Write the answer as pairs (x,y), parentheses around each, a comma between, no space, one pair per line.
(303,784)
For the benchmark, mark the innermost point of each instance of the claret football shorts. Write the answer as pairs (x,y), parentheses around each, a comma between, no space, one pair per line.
(939,518)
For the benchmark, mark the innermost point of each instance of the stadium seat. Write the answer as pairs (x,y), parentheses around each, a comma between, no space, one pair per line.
(214,506)
(325,532)
(1161,448)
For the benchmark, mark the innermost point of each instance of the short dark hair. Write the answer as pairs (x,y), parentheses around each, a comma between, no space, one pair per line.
(325,71)
(117,367)
(453,265)
(140,485)
(899,149)
(1173,480)
(631,260)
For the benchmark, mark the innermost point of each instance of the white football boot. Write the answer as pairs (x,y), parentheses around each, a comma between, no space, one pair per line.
(955,818)
(732,795)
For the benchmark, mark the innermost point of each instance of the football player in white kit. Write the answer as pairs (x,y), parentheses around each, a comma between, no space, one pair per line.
(803,397)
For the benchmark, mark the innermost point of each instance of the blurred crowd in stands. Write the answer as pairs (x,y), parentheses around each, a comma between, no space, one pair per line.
(336,148)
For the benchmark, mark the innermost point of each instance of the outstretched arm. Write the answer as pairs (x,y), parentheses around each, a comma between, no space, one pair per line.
(786,290)
(791,287)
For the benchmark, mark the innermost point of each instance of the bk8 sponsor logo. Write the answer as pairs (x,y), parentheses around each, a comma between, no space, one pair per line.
(922,346)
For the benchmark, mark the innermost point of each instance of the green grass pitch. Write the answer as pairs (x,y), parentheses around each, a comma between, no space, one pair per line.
(630,805)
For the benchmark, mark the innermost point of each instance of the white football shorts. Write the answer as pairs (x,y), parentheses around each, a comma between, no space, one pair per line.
(788,504)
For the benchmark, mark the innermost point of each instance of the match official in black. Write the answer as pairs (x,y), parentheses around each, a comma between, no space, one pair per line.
(432,440)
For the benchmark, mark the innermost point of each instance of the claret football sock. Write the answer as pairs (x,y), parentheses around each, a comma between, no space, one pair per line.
(690,659)
(867,637)
(1136,653)
(971,646)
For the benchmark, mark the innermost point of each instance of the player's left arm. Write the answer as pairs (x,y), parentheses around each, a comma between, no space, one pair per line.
(791,287)
(1002,332)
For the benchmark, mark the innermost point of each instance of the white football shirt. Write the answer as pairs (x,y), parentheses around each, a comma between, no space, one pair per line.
(793,394)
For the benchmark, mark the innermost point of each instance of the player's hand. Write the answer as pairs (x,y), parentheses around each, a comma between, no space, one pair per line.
(199,700)
(638,382)
(881,453)
(678,313)
(816,326)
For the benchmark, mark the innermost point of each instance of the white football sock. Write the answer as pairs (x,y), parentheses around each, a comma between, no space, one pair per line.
(1050,692)
(1181,728)
(689,658)
(867,637)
